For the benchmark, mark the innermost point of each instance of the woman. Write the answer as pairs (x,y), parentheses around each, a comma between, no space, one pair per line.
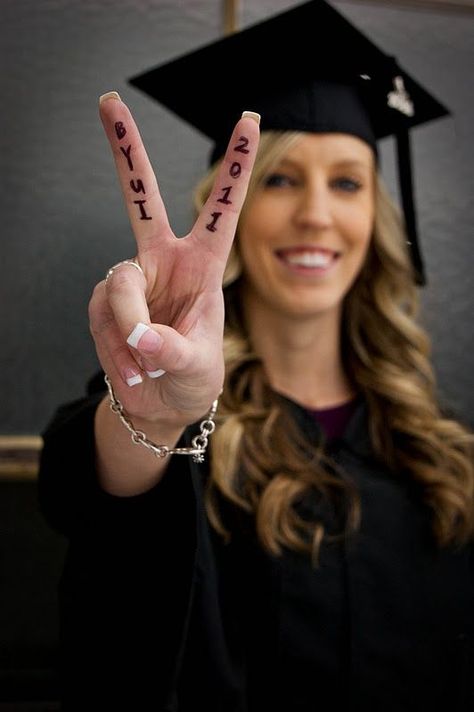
(322,553)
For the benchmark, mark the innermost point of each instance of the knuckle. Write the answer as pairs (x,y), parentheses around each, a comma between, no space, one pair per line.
(93,307)
(98,293)
(100,319)
(97,328)
(120,353)
(120,281)
(180,360)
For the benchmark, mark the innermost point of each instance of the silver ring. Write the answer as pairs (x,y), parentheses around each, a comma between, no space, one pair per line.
(133,262)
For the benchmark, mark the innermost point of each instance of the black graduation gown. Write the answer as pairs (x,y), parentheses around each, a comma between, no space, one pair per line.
(158,614)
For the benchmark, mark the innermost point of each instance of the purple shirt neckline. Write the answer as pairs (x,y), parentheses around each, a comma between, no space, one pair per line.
(333,420)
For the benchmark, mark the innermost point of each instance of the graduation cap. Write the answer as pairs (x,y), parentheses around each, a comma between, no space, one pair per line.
(305,69)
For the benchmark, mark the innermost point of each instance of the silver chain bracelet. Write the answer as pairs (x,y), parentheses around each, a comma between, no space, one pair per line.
(199,443)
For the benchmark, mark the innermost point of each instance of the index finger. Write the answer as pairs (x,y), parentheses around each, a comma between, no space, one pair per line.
(220,214)
(144,204)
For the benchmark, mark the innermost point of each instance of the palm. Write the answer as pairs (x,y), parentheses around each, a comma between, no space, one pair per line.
(180,281)
(183,292)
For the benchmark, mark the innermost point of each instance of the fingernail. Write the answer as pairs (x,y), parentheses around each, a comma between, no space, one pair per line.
(144,339)
(109,95)
(251,115)
(156,374)
(132,377)
(135,336)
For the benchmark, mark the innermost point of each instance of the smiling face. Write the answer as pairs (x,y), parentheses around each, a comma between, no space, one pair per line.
(305,232)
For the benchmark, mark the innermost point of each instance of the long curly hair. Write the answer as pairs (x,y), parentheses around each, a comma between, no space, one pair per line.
(386,356)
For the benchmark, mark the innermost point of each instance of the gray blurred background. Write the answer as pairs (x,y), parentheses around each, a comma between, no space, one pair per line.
(63,219)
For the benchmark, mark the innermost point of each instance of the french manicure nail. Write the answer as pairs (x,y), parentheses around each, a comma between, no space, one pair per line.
(109,95)
(156,374)
(144,339)
(132,377)
(251,115)
(137,333)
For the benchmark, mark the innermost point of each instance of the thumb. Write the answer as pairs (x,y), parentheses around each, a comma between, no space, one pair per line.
(162,349)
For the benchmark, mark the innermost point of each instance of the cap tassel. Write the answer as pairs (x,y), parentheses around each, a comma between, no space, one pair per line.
(406,190)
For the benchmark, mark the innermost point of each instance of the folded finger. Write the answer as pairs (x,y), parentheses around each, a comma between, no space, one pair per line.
(126,298)
(125,290)
(114,355)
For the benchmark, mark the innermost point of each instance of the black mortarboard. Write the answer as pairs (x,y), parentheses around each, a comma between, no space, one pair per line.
(304,69)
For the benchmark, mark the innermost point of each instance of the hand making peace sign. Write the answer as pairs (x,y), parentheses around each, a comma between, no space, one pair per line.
(168,316)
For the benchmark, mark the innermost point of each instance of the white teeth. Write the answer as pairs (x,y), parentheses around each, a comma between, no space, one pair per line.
(309,259)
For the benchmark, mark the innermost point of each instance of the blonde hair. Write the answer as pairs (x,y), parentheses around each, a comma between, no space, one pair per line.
(387,357)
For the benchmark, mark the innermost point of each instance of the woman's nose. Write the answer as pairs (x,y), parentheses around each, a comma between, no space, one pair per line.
(314,207)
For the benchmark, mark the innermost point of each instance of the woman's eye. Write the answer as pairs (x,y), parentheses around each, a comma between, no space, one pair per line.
(278,180)
(349,185)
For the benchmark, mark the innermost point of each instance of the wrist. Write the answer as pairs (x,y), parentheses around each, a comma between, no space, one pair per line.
(141,435)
